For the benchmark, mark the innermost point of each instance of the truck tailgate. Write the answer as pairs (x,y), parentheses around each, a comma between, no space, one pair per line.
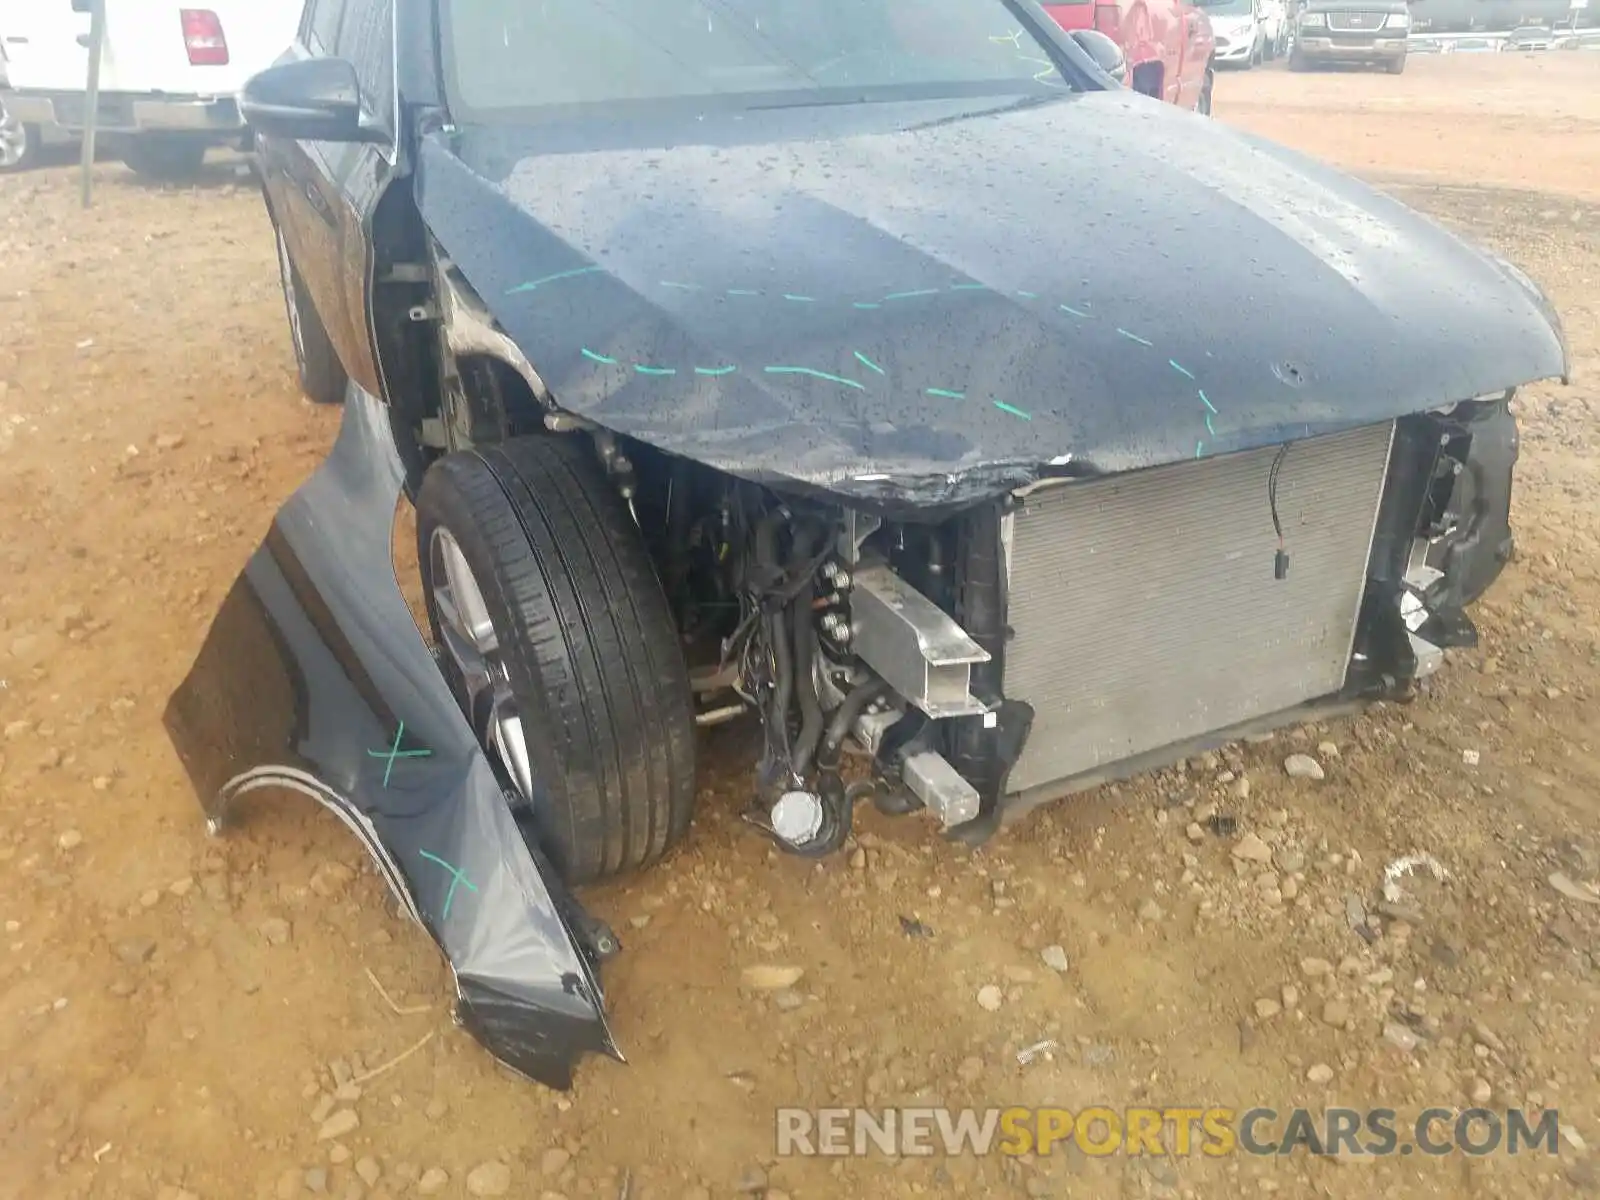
(46,45)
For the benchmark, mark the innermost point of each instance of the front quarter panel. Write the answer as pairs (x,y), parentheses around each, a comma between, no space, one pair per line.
(314,678)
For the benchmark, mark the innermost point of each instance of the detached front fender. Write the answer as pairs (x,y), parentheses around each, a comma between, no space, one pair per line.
(314,678)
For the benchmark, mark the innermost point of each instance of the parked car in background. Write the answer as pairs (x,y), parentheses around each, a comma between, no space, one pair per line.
(20,141)
(168,74)
(1353,32)
(1275,27)
(1167,44)
(1529,37)
(1240,39)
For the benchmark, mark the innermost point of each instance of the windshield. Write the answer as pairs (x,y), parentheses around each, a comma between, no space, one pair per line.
(1227,8)
(518,55)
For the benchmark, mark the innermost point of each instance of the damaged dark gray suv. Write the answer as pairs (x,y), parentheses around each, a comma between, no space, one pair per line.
(742,360)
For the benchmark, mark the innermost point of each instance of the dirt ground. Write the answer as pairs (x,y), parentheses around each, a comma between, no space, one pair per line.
(177,1015)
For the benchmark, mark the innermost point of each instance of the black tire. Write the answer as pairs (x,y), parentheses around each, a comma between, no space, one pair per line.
(587,639)
(322,375)
(169,158)
(1203,105)
(1396,67)
(1297,62)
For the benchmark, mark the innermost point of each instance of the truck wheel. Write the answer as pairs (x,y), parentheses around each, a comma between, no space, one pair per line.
(557,638)
(322,375)
(1297,61)
(1397,67)
(1203,106)
(169,158)
(19,143)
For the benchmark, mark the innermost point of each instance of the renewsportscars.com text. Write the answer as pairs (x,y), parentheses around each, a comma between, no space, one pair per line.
(1212,1132)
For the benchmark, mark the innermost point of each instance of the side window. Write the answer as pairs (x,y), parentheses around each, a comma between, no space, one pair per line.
(322,24)
(367,40)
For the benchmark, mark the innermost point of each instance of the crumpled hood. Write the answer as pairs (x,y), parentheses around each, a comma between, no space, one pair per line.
(932,301)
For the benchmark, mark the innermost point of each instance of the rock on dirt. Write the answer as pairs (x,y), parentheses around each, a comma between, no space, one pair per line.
(1055,957)
(342,1122)
(489,1179)
(433,1182)
(990,998)
(1250,848)
(1320,1073)
(1401,1038)
(766,978)
(1303,766)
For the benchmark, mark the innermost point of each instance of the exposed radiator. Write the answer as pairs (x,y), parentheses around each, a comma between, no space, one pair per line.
(1144,607)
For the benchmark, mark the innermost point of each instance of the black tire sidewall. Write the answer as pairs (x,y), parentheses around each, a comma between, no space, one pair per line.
(441,504)
(443,500)
(317,366)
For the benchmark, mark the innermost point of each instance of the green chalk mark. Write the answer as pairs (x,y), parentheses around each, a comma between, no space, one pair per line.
(864,304)
(1133,337)
(457,878)
(394,752)
(868,363)
(839,379)
(948,395)
(912,295)
(599,358)
(1015,412)
(535,283)
(742,292)
(715,370)
(644,370)
(1180,368)
(1027,295)
(682,287)
(1067,308)
(1204,399)
(1210,428)
(800,299)
(969,287)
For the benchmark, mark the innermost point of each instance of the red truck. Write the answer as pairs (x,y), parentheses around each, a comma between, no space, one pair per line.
(1167,43)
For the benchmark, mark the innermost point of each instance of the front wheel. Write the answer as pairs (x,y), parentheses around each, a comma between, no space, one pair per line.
(1297,61)
(1397,67)
(1203,105)
(557,639)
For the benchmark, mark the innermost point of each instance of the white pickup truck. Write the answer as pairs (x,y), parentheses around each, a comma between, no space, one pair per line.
(168,73)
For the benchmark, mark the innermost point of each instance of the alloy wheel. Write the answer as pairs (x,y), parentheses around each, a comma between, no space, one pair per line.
(13,141)
(469,638)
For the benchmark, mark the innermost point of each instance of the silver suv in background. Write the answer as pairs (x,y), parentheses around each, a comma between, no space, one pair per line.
(1359,32)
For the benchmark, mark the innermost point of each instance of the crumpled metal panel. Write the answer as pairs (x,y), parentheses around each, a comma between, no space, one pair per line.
(1145,609)
(912,303)
(314,678)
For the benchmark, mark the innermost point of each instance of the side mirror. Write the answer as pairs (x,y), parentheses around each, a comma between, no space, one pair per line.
(1106,53)
(308,100)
